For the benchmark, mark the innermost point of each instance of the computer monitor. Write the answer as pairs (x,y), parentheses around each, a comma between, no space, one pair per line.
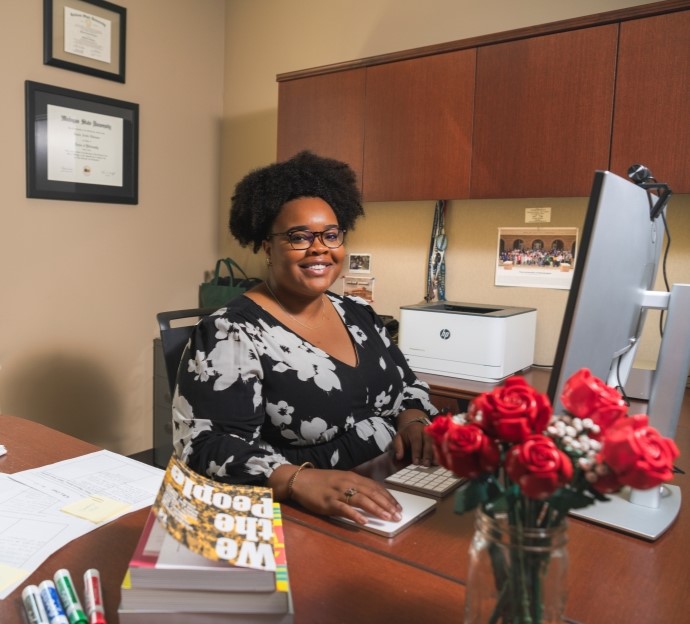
(618,254)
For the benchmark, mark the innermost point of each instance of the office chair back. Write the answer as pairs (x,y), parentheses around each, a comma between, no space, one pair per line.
(174,339)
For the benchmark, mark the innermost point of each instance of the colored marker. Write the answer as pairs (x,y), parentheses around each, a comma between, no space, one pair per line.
(68,595)
(33,605)
(93,597)
(51,602)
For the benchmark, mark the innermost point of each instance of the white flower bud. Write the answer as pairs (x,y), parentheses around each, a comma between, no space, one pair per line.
(570,442)
(584,463)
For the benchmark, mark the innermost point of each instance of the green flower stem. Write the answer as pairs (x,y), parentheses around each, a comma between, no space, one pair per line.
(517,573)
(500,573)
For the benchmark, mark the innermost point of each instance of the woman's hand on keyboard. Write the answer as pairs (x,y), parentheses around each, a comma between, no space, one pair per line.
(411,436)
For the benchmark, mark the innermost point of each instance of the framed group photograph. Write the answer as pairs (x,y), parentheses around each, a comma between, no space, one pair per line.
(536,257)
(87,36)
(80,147)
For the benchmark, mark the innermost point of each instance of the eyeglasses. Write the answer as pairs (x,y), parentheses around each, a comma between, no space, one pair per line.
(304,239)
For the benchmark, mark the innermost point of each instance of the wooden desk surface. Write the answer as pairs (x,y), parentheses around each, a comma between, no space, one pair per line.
(335,582)
(108,548)
(613,577)
(457,388)
(339,574)
(332,581)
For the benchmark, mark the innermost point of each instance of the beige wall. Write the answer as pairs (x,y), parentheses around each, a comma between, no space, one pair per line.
(81,282)
(272,37)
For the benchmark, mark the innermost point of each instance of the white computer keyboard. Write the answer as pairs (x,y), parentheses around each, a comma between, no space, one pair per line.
(434,481)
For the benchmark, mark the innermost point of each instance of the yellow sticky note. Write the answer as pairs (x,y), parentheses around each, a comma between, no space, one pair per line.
(96,508)
(9,575)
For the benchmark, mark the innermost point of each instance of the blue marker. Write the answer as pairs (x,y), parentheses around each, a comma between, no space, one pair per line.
(33,605)
(51,601)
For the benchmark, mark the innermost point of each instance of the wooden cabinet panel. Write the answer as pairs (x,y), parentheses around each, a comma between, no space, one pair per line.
(324,114)
(446,403)
(652,117)
(543,114)
(419,128)
(540,121)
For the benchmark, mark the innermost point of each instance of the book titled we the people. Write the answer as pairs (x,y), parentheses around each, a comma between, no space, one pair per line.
(209,552)
(231,523)
(166,582)
(159,561)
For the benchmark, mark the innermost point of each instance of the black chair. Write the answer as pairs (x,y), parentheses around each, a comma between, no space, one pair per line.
(174,338)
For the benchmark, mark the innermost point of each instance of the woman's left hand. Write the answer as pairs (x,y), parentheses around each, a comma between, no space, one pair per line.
(411,436)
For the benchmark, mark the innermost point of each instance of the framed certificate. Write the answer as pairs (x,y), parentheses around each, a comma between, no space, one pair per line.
(80,147)
(86,36)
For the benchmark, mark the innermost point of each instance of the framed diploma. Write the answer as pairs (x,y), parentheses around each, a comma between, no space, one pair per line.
(86,36)
(80,147)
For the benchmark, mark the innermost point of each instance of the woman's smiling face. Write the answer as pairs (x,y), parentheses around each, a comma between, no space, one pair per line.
(305,272)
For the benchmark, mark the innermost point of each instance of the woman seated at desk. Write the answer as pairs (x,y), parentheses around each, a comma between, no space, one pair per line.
(290,385)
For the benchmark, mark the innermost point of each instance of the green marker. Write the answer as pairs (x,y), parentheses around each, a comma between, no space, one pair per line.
(68,595)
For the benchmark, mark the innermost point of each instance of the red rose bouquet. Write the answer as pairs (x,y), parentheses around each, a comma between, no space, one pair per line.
(529,467)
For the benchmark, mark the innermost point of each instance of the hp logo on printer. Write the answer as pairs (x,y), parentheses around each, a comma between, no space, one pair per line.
(445,334)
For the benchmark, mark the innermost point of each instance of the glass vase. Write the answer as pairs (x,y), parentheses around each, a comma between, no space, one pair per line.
(516,575)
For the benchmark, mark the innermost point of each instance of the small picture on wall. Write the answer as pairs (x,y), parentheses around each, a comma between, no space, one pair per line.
(359,286)
(360,263)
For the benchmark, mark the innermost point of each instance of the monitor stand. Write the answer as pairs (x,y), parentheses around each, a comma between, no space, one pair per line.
(649,513)
(639,384)
(625,511)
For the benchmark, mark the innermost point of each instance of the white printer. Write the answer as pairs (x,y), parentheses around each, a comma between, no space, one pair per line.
(467,340)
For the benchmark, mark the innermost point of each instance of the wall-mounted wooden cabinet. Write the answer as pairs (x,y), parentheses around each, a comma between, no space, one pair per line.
(543,110)
(418,137)
(324,114)
(418,119)
(529,113)
(652,118)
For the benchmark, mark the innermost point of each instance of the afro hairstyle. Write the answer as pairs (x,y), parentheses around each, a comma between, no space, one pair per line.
(261,194)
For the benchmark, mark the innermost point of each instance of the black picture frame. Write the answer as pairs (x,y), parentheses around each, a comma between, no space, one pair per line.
(80,147)
(97,48)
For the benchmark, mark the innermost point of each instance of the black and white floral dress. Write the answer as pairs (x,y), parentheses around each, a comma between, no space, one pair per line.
(252,395)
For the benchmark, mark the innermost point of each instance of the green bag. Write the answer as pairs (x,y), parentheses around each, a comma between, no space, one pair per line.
(220,290)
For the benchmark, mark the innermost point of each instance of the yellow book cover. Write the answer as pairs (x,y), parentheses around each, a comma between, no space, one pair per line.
(220,521)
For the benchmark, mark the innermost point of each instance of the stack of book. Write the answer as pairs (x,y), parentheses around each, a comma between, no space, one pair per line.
(168,582)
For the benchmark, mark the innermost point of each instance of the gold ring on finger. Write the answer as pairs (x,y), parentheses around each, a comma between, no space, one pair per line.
(349,493)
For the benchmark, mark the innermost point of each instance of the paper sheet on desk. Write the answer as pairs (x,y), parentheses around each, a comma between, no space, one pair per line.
(33,523)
